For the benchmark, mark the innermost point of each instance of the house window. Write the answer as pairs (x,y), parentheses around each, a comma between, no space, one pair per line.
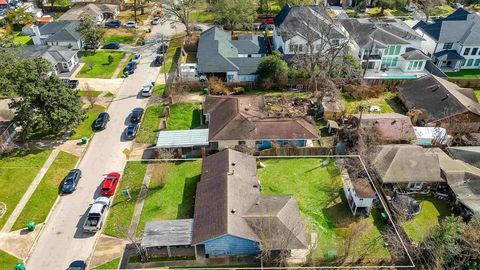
(469,62)
(467,51)
(393,50)
(389,61)
(474,51)
(415,185)
(447,46)
(335,42)
(477,62)
(230,77)
(296,47)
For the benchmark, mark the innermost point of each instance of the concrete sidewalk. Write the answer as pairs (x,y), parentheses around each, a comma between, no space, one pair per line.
(26,197)
(140,201)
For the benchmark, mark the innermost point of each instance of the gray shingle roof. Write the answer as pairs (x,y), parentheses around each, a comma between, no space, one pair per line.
(451,55)
(309,21)
(167,233)
(53,54)
(393,32)
(217,52)
(61,31)
(438,98)
(414,54)
(460,26)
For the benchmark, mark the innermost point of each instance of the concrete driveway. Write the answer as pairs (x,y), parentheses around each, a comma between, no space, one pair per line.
(62,240)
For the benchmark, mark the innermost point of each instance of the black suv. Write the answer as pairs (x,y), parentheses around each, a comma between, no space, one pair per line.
(136,116)
(101,121)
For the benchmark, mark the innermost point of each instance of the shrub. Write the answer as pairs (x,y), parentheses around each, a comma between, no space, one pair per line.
(218,88)
(238,90)
(361,91)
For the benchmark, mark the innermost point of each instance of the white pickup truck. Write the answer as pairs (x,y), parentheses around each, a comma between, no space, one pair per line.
(96,215)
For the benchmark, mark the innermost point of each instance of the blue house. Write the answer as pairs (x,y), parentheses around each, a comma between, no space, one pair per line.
(244,120)
(231,216)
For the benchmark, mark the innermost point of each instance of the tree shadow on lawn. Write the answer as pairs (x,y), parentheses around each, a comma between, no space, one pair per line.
(196,118)
(338,214)
(396,104)
(185,209)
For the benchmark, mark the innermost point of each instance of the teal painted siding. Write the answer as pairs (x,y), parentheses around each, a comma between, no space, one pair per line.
(230,245)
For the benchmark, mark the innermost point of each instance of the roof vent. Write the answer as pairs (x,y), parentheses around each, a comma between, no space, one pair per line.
(246,108)
(257,203)
(436,87)
(446,96)
(255,186)
(233,211)
(233,163)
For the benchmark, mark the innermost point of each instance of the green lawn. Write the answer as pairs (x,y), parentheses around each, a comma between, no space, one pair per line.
(101,68)
(319,193)
(201,13)
(7,261)
(465,74)
(477,94)
(87,93)
(113,264)
(150,124)
(84,129)
(21,40)
(16,174)
(441,11)
(129,58)
(431,211)
(120,38)
(173,52)
(184,116)
(389,12)
(121,211)
(47,191)
(171,194)
(388,102)
(158,90)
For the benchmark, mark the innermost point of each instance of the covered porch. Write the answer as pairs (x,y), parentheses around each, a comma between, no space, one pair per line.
(448,60)
(184,143)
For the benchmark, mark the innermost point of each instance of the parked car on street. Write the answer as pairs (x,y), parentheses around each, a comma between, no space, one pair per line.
(112,46)
(136,58)
(77,265)
(136,115)
(110,183)
(101,121)
(130,68)
(158,60)
(131,131)
(96,214)
(156,21)
(71,83)
(162,49)
(131,24)
(71,181)
(113,24)
(147,90)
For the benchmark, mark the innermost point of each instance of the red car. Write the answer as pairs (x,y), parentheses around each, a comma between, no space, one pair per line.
(268,21)
(110,183)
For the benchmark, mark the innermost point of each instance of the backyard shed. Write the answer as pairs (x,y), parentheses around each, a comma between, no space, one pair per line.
(167,234)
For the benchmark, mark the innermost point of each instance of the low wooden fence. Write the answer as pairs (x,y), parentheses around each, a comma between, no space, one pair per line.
(297,151)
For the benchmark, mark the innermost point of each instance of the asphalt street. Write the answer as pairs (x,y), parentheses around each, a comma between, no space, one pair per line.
(62,240)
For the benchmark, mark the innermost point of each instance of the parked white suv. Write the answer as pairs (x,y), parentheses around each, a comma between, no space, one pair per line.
(147,90)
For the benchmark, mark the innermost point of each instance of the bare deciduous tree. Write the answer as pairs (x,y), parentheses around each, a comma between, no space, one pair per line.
(90,95)
(179,11)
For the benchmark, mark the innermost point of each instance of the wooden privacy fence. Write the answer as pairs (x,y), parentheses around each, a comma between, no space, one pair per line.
(297,151)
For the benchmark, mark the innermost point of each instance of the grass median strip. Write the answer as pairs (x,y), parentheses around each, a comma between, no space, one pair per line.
(171,194)
(150,124)
(17,173)
(84,129)
(47,191)
(113,264)
(121,211)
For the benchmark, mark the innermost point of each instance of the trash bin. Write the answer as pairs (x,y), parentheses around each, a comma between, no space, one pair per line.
(20,266)
(206,91)
(149,30)
(31,226)
(384,217)
(84,140)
